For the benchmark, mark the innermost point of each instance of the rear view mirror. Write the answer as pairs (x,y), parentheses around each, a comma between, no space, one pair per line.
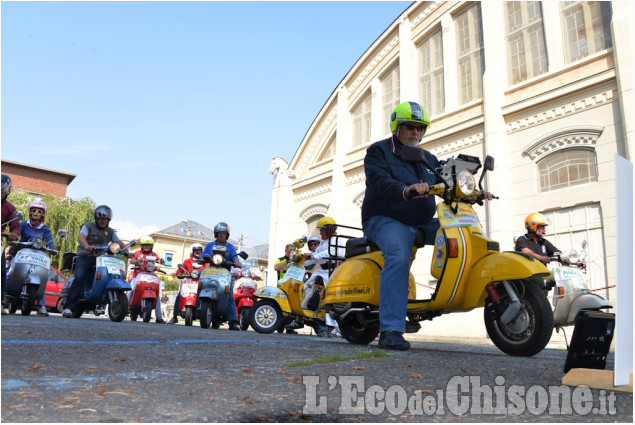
(489,163)
(412,154)
(243,255)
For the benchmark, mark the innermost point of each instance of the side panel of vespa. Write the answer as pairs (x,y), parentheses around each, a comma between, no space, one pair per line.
(356,280)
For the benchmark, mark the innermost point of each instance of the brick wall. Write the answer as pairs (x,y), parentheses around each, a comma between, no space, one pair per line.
(36,180)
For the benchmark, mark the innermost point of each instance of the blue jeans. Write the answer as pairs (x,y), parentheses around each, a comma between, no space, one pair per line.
(84,273)
(395,239)
(231,304)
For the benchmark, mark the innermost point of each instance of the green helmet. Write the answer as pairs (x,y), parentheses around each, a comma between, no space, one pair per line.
(409,112)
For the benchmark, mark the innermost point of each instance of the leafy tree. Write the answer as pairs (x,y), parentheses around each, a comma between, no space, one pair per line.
(63,214)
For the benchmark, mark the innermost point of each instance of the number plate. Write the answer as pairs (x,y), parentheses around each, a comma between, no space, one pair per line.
(295,273)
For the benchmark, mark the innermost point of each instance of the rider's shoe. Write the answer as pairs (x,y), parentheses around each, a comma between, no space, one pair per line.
(233,325)
(67,313)
(392,340)
(4,311)
(160,321)
(41,311)
(174,320)
(294,325)
(291,331)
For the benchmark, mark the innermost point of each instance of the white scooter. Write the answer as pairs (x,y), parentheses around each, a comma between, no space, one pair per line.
(571,293)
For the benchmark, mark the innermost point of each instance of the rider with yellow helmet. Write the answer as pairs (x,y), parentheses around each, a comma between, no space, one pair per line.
(147,246)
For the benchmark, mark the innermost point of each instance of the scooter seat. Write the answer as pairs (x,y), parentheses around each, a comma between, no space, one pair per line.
(358,246)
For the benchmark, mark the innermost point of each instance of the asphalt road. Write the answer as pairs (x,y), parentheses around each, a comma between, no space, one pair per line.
(56,369)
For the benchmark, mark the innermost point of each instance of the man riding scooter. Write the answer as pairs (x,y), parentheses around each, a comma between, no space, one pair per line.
(92,235)
(186,267)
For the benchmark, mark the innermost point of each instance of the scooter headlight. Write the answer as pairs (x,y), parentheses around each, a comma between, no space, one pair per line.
(150,266)
(114,248)
(194,274)
(217,259)
(37,243)
(466,182)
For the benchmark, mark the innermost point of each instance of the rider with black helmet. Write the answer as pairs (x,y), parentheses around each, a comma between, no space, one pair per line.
(91,235)
(221,233)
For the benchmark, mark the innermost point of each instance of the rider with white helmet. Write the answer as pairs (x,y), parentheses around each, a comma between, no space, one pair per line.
(34,227)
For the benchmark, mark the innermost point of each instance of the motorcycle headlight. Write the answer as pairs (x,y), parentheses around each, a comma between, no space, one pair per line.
(466,182)
(217,259)
(114,248)
(194,274)
(150,267)
(37,243)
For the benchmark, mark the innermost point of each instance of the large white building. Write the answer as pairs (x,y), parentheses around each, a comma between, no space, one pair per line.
(546,88)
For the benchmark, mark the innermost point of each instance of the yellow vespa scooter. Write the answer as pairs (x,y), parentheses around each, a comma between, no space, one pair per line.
(471,272)
(274,304)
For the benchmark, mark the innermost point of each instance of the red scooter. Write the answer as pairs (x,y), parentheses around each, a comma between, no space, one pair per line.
(245,284)
(146,290)
(188,294)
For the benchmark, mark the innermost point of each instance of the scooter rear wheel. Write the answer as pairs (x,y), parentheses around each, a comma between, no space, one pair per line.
(355,333)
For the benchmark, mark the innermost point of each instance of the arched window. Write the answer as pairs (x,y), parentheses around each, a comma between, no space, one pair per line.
(567,167)
(311,223)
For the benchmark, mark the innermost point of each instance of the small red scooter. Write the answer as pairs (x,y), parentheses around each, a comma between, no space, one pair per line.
(245,284)
(146,290)
(188,294)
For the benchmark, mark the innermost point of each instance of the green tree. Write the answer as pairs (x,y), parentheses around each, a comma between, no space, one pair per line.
(63,214)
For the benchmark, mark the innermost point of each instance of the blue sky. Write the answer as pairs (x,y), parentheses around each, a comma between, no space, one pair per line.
(172,110)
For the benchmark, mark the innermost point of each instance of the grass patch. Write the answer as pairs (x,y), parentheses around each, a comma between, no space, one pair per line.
(332,358)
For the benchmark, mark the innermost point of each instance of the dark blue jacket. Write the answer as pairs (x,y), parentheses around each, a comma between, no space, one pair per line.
(387,177)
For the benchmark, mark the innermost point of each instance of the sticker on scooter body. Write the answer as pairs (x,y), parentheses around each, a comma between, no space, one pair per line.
(112,264)
(33,257)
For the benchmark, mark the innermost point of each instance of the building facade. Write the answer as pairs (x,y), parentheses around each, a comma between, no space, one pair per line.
(36,180)
(543,87)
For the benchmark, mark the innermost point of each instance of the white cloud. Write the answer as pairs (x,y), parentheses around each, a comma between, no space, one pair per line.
(84,149)
(128,230)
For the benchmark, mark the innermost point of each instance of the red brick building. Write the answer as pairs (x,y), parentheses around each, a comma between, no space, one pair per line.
(36,180)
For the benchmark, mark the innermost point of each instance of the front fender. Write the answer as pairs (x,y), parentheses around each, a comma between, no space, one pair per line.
(148,294)
(496,267)
(586,302)
(118,284)
(211,293)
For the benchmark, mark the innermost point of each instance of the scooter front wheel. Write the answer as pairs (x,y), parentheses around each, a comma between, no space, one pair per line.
(146,311)
(531,331)
(29,301)
(243,320)
(206,314)
(265,316)
(188,315)
(118,308)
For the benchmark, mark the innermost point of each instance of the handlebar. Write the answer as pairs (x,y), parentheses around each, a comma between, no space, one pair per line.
(36,243)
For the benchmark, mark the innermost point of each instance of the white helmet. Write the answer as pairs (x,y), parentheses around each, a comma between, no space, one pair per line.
(196,246)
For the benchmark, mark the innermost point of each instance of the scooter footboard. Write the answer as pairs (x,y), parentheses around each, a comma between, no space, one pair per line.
(497,267)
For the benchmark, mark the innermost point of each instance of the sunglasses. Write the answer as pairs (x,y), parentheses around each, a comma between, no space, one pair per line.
(411,127)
